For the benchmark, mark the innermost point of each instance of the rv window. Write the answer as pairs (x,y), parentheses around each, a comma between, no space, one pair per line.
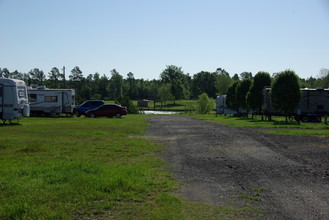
(21,92)
(32,97)
(50,98)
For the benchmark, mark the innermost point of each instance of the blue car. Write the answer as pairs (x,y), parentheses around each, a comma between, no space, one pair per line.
(87,105)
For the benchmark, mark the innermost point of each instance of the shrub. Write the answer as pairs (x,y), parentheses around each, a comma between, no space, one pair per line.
(205,105)
(126,101)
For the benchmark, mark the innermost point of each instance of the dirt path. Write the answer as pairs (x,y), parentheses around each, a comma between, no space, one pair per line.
(286,175)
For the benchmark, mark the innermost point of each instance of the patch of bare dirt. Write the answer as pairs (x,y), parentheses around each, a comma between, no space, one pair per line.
(286,175)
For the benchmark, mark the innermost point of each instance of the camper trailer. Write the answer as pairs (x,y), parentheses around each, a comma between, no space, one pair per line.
(45,101)
(313,105)
(13,99)
(221,107)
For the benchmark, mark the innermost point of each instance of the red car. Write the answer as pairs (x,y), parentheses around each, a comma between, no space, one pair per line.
(108,110)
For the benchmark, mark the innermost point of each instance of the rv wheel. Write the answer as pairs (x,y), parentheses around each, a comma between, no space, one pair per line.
(118,115)
(93,116)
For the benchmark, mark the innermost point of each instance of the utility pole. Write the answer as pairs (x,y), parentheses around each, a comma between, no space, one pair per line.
(64,77)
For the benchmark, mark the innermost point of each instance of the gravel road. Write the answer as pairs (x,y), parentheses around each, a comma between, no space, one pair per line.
(288,176)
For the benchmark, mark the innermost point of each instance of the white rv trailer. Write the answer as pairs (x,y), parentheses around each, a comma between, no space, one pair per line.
(13,99)
(51,101)
(221,107)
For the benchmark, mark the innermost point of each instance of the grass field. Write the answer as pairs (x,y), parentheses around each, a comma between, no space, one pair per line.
(179,105)
(276,126)
(83,168)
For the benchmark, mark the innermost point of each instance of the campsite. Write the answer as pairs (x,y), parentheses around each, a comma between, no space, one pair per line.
(82,168)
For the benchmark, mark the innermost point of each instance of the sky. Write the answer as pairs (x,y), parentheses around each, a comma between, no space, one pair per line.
(145,36)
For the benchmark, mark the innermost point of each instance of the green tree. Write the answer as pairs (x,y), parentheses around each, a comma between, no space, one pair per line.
(55,78)
(116,83)
(103,87)
(5,73)
(312,82)
(254,97)
(177,79)
(205,105)
(76,75)
(165,93)
(245,75)
(204,82)
(286,94)
(77,83)
(242,90)
(126,101)
(17,75)
(235,77)
(132,91)
(324,78)
(231,100)
(37,76)
(223,81)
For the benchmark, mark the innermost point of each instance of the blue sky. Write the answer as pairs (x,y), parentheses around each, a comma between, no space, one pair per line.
(145,36)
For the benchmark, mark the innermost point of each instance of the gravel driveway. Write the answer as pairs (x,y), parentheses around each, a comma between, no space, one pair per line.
(288,176)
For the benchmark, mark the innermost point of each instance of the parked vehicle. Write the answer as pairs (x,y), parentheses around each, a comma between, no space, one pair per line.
(13,99)
(108,110)
(221,107)
(87,105)
(313,105)
(51,101)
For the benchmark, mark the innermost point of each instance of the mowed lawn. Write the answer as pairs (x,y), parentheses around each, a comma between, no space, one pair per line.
(92,168)
(80,168)
(278,125)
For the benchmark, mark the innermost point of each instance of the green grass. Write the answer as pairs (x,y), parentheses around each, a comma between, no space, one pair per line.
(278,125)
(80,168)
(179,105)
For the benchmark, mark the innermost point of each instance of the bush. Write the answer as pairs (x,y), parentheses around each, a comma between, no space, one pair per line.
(126,101)
(205,105)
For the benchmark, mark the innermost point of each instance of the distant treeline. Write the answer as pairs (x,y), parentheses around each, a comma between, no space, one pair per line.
(173,83)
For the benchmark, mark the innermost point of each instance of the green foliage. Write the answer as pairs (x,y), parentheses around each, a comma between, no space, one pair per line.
(286,94)
(79,168)
(231,100)
(37,76)
(223,81)
(324,74)
(126,101)
(115,86)
(82,168)
(177,79)
(165,93)
(278,125)
(254,97)
(204,82)
(241,92)
(245,75)
(205,105)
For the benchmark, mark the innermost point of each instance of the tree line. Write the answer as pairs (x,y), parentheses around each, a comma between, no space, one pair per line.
(173,84)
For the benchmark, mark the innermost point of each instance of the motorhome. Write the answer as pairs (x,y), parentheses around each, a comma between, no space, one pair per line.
(45,101)
(13,99)
(313,105)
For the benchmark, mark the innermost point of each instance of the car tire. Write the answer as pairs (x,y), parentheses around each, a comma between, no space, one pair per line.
(77,113)
(118,115)
(92,115)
